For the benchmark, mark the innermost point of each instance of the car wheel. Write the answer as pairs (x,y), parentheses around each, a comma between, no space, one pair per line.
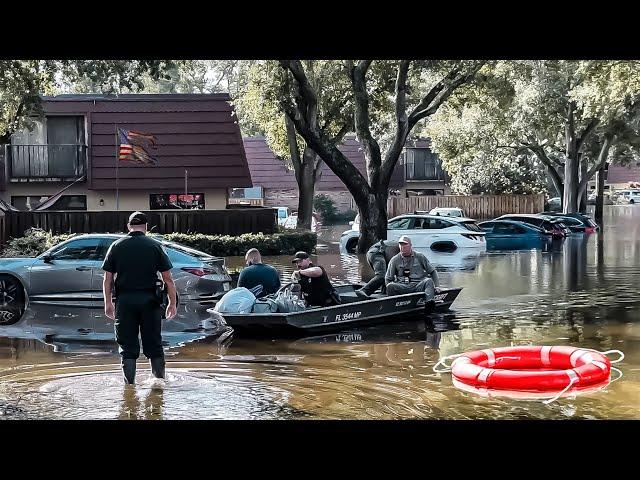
(352,244)
(12,300)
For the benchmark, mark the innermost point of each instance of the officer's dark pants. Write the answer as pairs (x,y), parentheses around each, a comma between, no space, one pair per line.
(138,312)
(379,265)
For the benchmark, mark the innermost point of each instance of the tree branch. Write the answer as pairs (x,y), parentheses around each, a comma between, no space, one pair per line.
(402,122)
(585,134)
(361,100)
(602,159)
(440,92)
(318,140)
(293,146)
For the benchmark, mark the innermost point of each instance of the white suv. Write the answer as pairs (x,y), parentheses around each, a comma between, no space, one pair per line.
(629,196)
(447,212)
(440,234)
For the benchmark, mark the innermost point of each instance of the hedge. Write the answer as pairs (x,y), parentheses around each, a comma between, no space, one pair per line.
(36,241)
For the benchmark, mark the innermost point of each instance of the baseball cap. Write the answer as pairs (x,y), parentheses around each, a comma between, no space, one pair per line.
(404,239)
(299,256)
(137,218)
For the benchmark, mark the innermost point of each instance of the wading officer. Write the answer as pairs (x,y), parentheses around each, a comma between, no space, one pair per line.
(135,260)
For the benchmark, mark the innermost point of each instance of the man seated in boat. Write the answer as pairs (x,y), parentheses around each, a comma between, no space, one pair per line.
(257,273)
(314,282)
(410,271)
(378,257)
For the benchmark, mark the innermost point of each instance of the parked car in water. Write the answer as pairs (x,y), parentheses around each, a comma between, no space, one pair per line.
(631,196)
(292,222)
(554,204)
(446,212)
(442,234)
(591,199)
(69,276)
(283,214)
(576,222)
(547,223)
(513,235)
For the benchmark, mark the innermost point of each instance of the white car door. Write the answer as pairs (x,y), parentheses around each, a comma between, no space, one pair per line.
(430,230)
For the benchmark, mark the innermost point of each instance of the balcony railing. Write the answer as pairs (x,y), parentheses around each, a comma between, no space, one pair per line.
(45,162)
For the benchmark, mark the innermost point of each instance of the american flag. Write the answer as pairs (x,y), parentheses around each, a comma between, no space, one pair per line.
(133,147)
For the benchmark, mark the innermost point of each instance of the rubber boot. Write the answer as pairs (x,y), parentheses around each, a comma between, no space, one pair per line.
(129,370)
(157,366)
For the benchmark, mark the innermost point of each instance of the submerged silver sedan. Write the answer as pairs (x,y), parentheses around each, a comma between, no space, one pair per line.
(62,284)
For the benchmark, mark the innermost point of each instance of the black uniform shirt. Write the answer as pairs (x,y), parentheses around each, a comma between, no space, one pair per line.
(316,290)
(136,259)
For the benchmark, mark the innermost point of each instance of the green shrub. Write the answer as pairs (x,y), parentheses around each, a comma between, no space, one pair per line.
(284,243)
(34,242)
(37,241)
(325,207)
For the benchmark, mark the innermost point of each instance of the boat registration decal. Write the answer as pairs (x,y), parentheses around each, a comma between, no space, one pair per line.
(347,316)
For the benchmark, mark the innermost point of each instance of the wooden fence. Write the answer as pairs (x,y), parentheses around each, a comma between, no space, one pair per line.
(213,222)
(473,206)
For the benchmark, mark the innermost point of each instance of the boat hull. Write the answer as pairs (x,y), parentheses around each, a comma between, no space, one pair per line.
(353,312)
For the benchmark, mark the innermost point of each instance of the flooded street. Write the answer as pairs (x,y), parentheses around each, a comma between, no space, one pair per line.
(582,292)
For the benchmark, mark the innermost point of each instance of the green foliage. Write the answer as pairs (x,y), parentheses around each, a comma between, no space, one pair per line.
(492,126)
(325,206)
(23,81)
(36,241)
(283,243)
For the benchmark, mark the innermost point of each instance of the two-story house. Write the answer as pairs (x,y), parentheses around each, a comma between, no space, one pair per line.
(74,146)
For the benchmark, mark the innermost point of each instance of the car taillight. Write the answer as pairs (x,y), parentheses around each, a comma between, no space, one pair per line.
(200,272)
(589,230)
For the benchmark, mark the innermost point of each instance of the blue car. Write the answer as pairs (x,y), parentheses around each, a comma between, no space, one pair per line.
(513,235)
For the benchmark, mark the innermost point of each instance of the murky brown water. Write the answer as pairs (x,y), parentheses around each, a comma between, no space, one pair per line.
(585,292)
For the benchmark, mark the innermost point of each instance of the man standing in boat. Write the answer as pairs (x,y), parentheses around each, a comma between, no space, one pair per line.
(410,272)
(378,257)
(314,282)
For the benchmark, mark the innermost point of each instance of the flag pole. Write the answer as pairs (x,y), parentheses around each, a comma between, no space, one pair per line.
(117,165)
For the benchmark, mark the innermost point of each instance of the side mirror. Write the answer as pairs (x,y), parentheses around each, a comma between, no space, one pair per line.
(351,222)
(48,259)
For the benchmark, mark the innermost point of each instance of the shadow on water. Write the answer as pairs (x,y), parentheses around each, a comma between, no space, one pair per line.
(581,292)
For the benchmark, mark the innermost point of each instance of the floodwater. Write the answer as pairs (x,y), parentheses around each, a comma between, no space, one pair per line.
(582,292)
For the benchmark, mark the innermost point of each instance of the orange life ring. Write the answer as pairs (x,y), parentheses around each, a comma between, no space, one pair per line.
(538,369)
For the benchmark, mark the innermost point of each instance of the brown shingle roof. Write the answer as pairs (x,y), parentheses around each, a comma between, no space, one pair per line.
(268,171)
(196,132)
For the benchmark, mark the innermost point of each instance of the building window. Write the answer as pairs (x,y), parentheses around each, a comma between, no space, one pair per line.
(65,202)
(176,201)
(422,164)
(254,192)
(53,148)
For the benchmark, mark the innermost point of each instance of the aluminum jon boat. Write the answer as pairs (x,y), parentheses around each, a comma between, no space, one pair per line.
(352,312)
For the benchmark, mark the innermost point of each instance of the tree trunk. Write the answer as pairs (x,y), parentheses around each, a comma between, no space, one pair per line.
(582,200)
(600,197)
(571,184)
(373,219)
(306,178)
